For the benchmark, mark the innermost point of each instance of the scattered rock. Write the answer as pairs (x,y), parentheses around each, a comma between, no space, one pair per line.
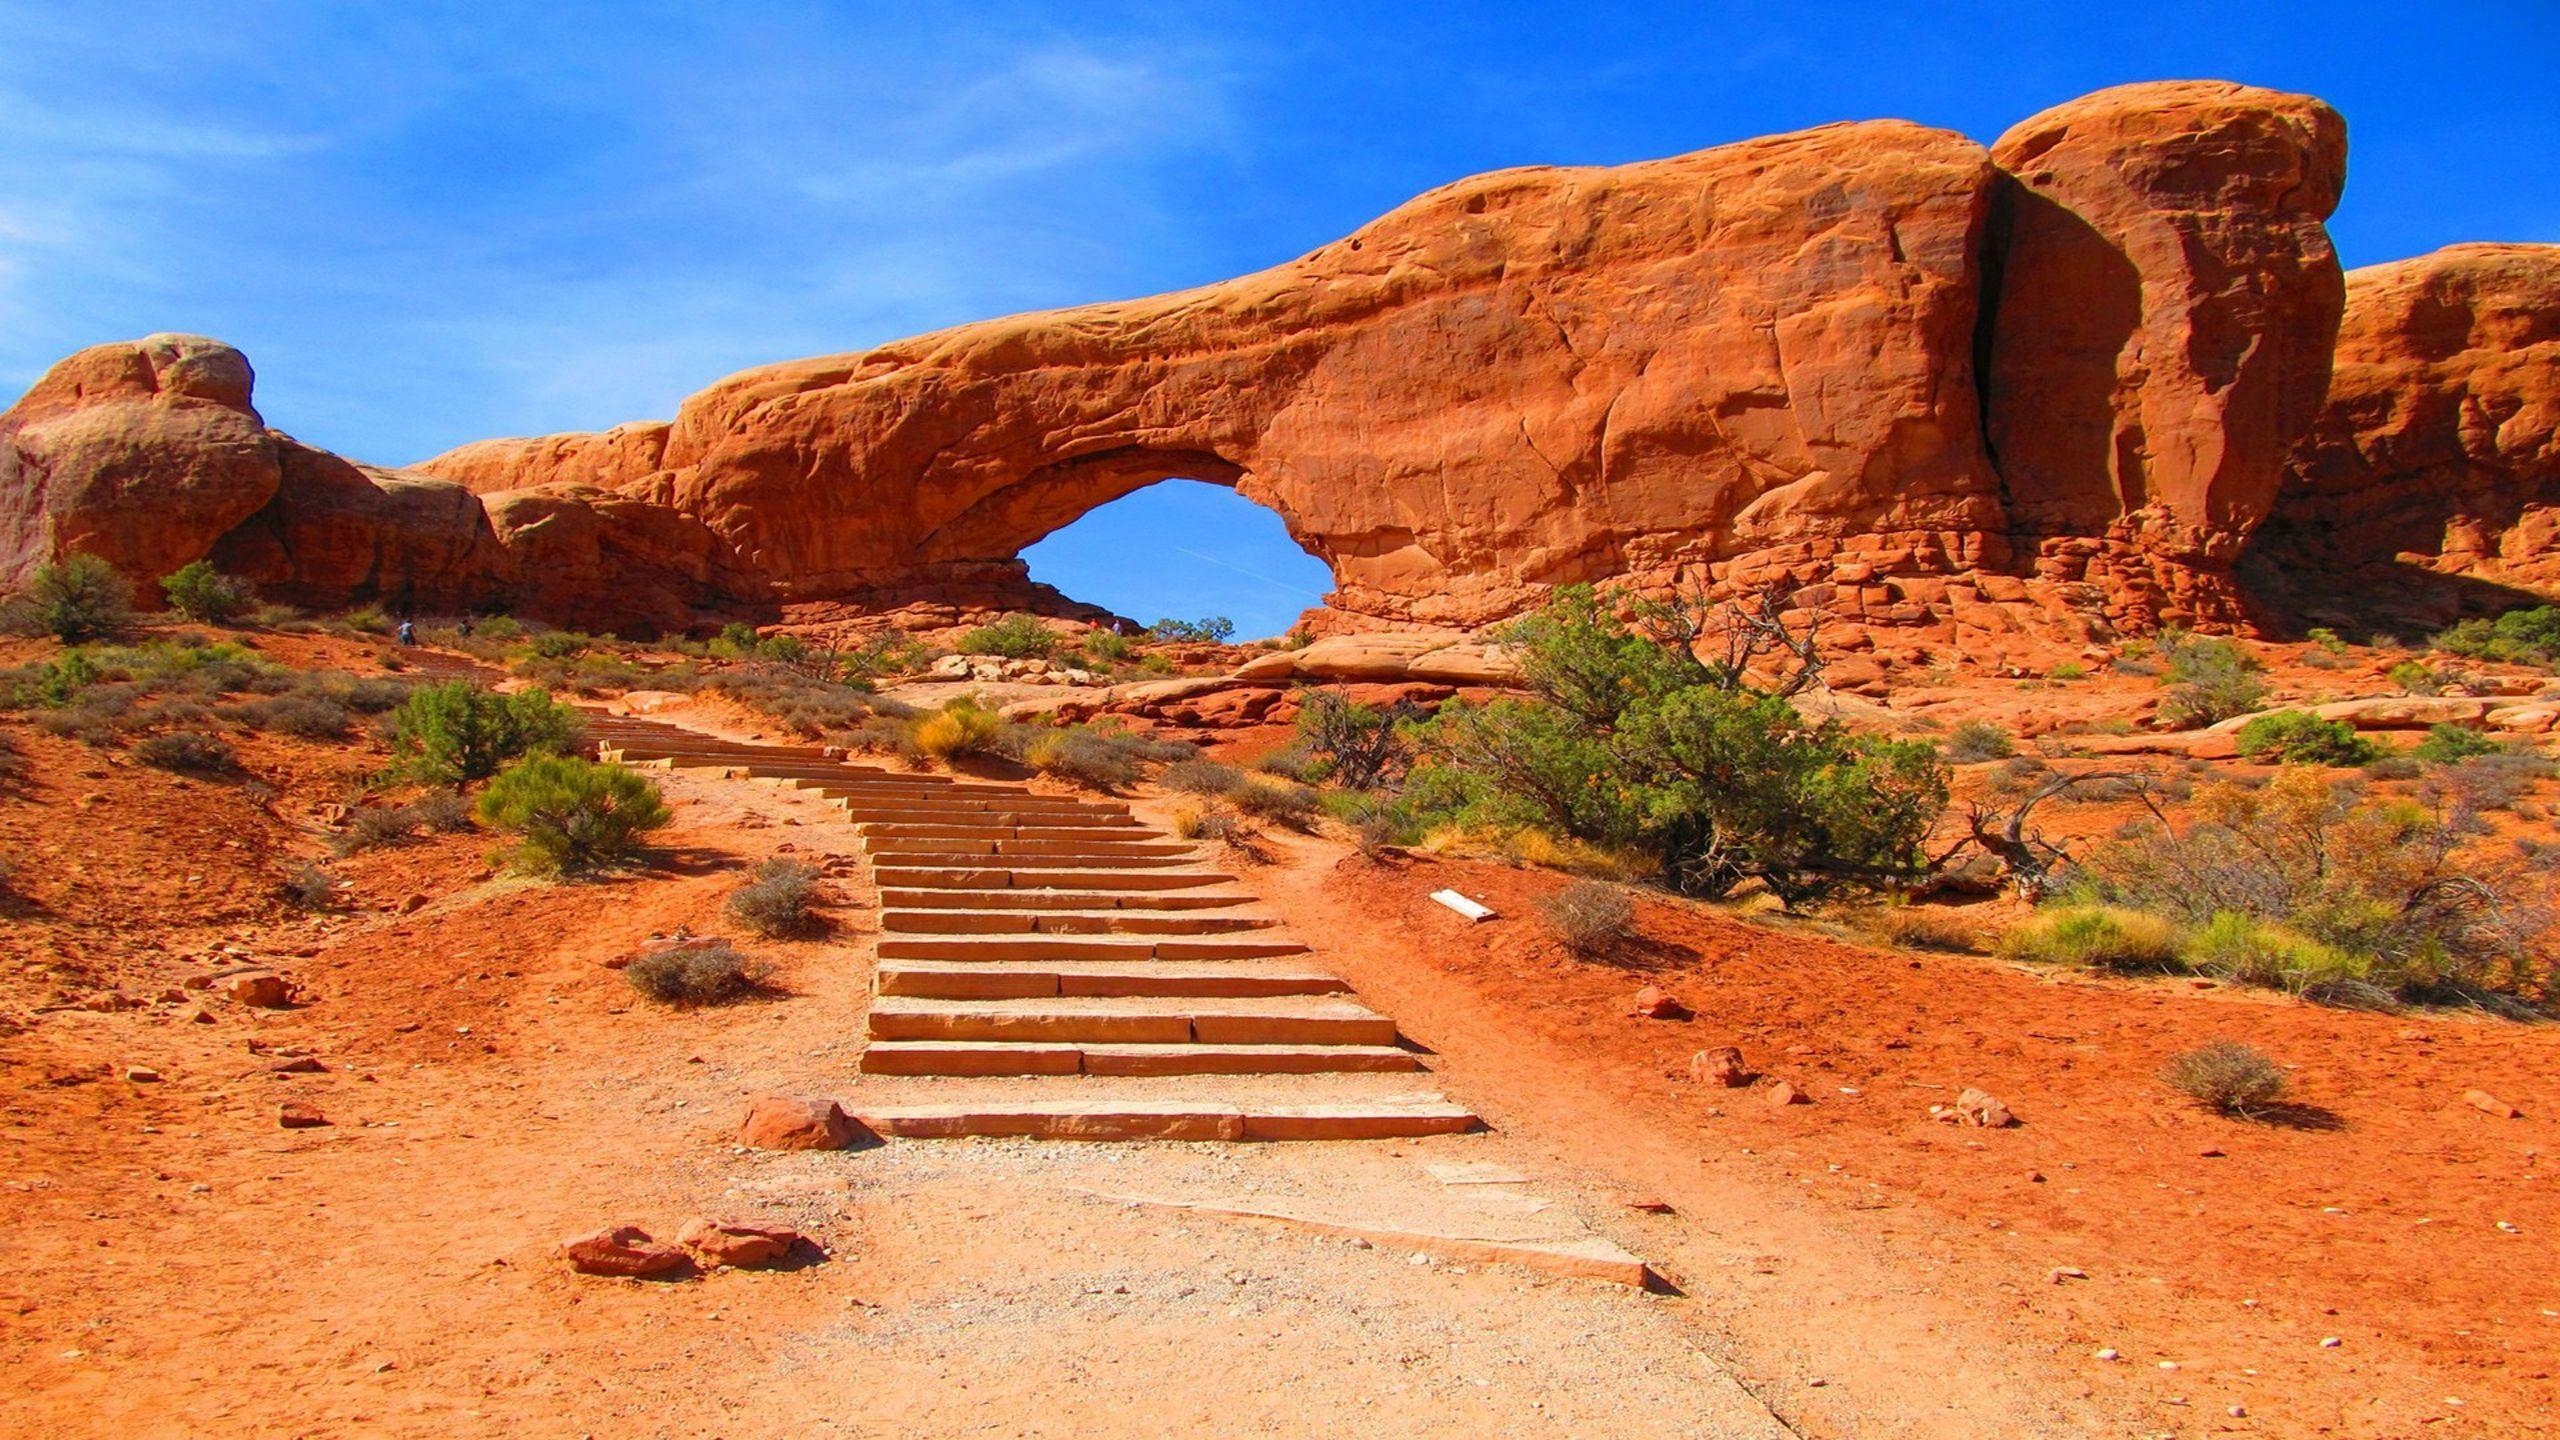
(729,1242)
(296,1115)
(795,1122)
(1978,1108)
(264,989)
(141,1074)
(1780,1094)
(1654,1003)
(621,1250)
(2488,1104)
(1720,1066)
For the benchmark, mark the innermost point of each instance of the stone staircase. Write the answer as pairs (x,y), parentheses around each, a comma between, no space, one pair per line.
(1098,979)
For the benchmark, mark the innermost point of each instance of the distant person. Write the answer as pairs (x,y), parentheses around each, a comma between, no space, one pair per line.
(408,632)
(464,629)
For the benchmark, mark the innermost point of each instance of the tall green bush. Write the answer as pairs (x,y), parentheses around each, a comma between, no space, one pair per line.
(456,732)
(573,815)
(200,592)
(76,599)
(1632,741)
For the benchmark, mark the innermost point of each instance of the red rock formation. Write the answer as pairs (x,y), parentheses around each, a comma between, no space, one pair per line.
(1750,365)
(2165,303)
(2439,448)
(144,451)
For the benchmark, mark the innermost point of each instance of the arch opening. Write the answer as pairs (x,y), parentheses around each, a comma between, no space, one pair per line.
(1184,549)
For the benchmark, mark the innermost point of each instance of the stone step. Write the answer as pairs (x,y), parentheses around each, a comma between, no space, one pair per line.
(1143,1119)
(1107,834)
(1069,922)
(864,813)
(1135,1020)
(975,1058)
(1115,846)
(1015,980)
(1084,900)
(939,877)
(1081,857)
(1039,947)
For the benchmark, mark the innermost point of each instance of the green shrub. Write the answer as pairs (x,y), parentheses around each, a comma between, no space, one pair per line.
(2452,744)
(367,621)
(2415,678)
(454,733)
(1634,744)
(2327,639)
(1978,740)
(2518,637)
(200,592)
(562,644)
(1355,746)
(2068,670)
(780,900)
(1015,637)
(2226,1077)
(1106,648)
(1082,756)
(190,751)
(76,599)
(709,973)
(889,653)
(2253,952)
(2209,680)
(2097,937)
(574,815)
(1208,630)
(1291,762)
(2298,737)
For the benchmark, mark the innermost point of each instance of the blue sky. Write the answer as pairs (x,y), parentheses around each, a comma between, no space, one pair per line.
(431,223)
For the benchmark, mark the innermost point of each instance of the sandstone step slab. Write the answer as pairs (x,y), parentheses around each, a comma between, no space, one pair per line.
(1100,1119)
(1095,858)
(1222,979)
(1116,921)
(990,879)
(1117,834)
(864,813)
(1115,847)
(1081,900)
(1036,947)
(1136,1020)
(981,1059)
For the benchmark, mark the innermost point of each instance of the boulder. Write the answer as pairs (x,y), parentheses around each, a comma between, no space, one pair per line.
(2409,712)
(1975,1107)
(733,1243)
(1652,1003)
(298,1115)
(622,1250)
(1388,657)
(795,1122)
(264,989)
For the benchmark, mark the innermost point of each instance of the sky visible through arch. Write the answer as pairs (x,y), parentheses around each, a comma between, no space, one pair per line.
(439,221)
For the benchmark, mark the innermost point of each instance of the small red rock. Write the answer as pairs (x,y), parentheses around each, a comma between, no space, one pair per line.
(262,988)
(728,1242)
(1974,1107)
(415,902)
(1781,1094)
(1654,1003)
(795,1122)
(1719,1066)
(2488,1104)
(294,1115)
(620,1250)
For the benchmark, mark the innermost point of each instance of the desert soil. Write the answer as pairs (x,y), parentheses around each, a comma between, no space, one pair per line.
(174,1262)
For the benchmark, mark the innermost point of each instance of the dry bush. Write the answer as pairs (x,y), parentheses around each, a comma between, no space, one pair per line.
(1193,822)
(1280,804)
(309,886)
(2254,952)
(1979,740)
(2484,782)
(1201,777)
(1589,918)
(2226,1077)
(302,715)
(1294,762)
(780,901)
(1910,927)
(373,827)
(442,810)
(709,973)
(2019,774)
(959,728)
(189,751)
